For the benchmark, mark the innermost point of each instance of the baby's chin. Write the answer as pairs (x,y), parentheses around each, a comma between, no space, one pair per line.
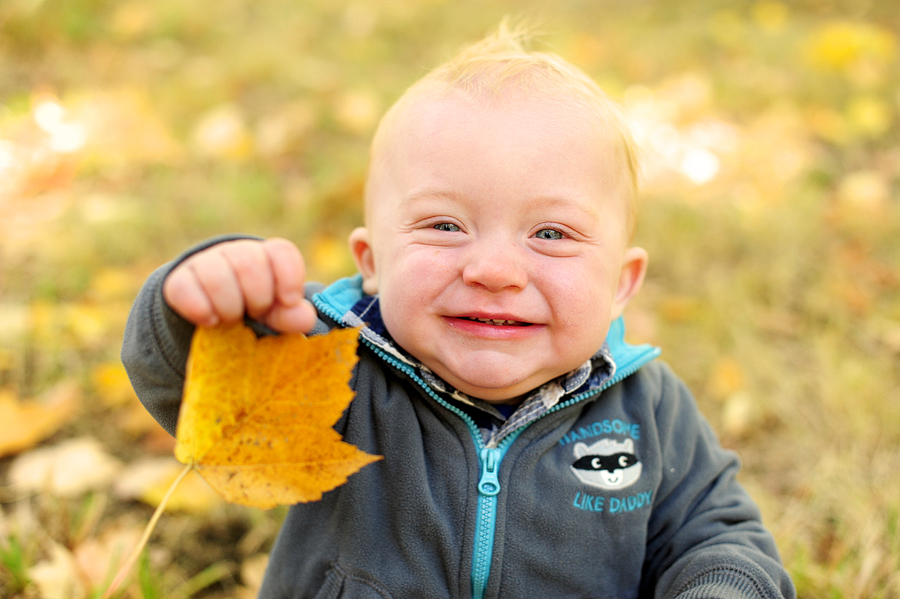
(496,391)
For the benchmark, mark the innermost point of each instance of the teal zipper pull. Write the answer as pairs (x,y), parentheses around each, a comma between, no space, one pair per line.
(489,485)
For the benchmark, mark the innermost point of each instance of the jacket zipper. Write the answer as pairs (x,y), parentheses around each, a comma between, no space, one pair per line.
(488,484)
(485,521)
(490,458)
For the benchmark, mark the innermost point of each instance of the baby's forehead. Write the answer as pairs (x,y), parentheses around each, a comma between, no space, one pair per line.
(447,112)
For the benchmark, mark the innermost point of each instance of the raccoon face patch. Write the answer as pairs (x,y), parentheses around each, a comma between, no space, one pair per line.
(606,464)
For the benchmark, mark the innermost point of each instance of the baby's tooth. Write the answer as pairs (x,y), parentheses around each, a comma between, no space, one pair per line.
(494,321)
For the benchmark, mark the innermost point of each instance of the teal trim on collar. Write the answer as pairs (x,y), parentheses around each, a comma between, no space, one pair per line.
(624,354)
(342,295)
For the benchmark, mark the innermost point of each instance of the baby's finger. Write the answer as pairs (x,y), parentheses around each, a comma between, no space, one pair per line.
(299,318)
(288,268)
(183,293)
(219,282)
(250,265)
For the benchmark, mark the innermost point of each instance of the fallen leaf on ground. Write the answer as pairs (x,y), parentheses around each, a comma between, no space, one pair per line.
(23,424)
(148,480)
(57,576)
(158,442)
(222,133)
(13,322)
(726,378)
(740,415)
(257,414)
(66,470)
(135,420)
(97,557)
(111,384)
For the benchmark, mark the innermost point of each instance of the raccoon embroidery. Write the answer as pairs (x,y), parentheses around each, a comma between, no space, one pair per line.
(607,464)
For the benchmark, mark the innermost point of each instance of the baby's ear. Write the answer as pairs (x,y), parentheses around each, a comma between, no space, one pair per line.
(631,277)
(361,248)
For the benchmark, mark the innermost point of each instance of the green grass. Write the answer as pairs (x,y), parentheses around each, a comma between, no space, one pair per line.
(13,565)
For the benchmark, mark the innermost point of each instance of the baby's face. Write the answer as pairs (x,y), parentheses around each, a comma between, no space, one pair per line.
(497,243)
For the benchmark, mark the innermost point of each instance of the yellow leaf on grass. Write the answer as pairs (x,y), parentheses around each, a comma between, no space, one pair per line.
(68,469)
(727,377)
(222,133)
(256,415)
(111,384)
(24,424)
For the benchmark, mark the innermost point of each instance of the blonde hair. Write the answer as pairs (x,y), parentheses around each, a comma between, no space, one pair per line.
(498,69)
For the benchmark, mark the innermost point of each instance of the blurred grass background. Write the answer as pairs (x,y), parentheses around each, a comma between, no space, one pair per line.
(131,129)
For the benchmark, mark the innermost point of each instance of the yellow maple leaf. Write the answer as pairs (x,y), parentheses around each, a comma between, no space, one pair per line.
(257,414)
(256,419)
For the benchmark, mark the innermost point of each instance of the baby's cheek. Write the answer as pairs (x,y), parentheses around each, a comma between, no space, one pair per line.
(584,328)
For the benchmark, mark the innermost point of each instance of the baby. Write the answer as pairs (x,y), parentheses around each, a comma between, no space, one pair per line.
(528,450)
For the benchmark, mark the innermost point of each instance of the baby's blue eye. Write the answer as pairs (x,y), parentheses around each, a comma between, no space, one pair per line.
(549,234)
(449,227)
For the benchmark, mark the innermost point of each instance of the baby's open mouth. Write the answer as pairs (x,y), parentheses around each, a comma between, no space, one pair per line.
(493,321)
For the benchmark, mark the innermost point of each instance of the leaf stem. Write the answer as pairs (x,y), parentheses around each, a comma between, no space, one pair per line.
(126,567)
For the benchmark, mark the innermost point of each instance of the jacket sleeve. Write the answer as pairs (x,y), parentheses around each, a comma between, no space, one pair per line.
(156,343)
(706,538)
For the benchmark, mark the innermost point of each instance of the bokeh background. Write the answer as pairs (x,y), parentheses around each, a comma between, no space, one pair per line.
(131,129)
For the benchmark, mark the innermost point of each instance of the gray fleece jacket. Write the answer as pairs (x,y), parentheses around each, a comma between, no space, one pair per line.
(607,483)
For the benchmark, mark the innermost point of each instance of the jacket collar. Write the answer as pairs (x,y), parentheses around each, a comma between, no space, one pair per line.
(345,303)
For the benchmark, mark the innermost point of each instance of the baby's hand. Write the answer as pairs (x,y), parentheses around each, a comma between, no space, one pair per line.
(263,279)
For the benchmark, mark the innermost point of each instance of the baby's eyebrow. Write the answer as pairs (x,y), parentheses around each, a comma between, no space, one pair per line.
(585,206)
(430,194)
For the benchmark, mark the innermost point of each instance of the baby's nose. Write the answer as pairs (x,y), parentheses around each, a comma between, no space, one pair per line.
(495,268)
